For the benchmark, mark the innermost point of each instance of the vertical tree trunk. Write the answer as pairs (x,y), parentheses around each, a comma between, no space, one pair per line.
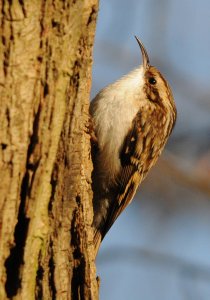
(46,249)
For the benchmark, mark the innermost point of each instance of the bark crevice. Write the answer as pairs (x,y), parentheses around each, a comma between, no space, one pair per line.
(52,272)
(39,280)
(78,278)
(15,259)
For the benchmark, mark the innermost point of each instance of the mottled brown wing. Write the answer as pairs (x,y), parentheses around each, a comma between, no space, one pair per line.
(130,176)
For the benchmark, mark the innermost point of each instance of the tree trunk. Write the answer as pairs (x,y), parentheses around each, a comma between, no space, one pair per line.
(46,249)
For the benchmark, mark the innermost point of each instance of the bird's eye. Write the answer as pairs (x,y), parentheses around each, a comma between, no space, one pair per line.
(152,80)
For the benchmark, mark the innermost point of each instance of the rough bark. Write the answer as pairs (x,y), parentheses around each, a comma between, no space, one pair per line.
(46,249)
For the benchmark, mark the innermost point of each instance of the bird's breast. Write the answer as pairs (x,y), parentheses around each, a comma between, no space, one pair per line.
(111,129)
(113,111)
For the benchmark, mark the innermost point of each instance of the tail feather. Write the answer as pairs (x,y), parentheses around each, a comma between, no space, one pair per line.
(97,241)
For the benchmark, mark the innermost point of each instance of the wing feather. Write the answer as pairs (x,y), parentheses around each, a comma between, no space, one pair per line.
(129,177)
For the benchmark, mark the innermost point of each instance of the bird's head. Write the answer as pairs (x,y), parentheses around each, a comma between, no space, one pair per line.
(155,86)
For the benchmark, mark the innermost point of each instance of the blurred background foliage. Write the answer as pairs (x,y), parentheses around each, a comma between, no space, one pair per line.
(159,248)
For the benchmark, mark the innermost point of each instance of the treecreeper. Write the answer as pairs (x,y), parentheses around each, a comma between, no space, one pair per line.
(132,119)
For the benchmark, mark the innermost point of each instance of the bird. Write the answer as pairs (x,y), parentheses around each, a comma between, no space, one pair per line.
(131,120)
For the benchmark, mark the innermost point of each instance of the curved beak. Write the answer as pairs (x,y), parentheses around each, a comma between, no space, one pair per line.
(145,57)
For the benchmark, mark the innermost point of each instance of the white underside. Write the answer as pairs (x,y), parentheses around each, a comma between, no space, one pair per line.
(113,110)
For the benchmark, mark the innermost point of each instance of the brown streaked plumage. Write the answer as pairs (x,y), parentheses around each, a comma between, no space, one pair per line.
(132,119)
